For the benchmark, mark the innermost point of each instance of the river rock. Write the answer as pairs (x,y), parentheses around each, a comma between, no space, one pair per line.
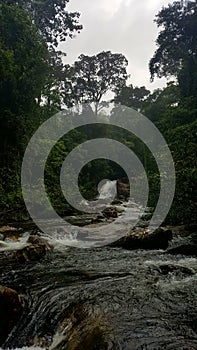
(117,202)
(36,250)
(166,269)
(10,233)
(4,229)
(10,311)
(110,212)
(83,327)
(82,220)
(123,190)
(139,238)
(184,249)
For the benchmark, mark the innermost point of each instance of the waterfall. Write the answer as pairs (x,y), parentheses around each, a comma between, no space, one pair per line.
(108,190)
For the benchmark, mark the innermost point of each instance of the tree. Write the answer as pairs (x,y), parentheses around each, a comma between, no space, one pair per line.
(162,102)
(176,54)
(91,77)
(23,75)
(133,97)
(50,18)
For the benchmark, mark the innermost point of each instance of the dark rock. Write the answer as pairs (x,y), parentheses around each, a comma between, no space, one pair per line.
(185,249)
(36,240)
(10,233)
(86,328)
(36,250)
(176,269)
(117,202)
(10,311)
(110,212)
(140,239)
(81,220)
(123,190)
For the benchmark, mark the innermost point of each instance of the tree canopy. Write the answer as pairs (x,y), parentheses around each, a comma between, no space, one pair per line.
(91,77)
(50,18)
(132,96)
(176,54)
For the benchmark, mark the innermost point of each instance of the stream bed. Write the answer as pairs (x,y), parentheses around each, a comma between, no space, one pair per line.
(101,298)
(128,299)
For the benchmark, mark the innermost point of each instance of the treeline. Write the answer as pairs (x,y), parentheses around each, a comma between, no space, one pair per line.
(35,84)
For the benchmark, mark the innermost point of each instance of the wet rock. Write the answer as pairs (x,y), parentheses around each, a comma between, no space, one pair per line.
(10,233)
(185,249)
(83,327)
(139,238)
(110,212)
(7,229)
(36,240)
(36,250)
(123,190)
(10,311)
(166,269)
(82,220)
(117,202)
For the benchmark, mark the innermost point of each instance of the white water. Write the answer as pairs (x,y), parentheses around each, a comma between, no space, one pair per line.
(9,244)
(108,190)
(97,235)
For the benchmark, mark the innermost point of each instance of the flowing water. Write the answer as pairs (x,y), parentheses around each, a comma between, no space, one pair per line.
(123,300)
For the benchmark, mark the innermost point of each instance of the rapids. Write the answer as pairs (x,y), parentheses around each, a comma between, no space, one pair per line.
(108,298)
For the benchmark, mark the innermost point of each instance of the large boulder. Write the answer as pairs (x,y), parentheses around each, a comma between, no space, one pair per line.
(139,238)
(36,250)
(184,249)
(10,311)
(83,327)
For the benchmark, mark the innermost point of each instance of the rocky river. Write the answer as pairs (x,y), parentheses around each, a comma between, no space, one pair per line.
(115,297)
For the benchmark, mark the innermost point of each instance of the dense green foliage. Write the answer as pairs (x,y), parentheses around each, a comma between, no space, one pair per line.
(174,108)
(93,76)
(33,87)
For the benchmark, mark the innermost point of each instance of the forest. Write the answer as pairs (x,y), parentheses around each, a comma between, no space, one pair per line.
(118,277)
(34,87)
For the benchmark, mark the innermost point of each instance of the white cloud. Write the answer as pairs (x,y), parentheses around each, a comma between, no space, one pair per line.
(124,26)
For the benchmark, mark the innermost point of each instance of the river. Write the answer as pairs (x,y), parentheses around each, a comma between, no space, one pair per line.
(104,298)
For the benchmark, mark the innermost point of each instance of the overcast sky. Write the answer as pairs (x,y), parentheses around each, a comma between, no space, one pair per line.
(121,26)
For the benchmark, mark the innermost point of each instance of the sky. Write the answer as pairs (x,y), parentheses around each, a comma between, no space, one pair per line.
(121,26)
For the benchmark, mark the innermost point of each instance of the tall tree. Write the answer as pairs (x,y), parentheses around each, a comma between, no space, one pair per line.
(91,77)
(23,75)
(50,18)
(176,54)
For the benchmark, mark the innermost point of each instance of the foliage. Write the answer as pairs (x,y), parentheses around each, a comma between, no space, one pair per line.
(34,87)
(132,96)
(91,77)
(177,46)
(50,18)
